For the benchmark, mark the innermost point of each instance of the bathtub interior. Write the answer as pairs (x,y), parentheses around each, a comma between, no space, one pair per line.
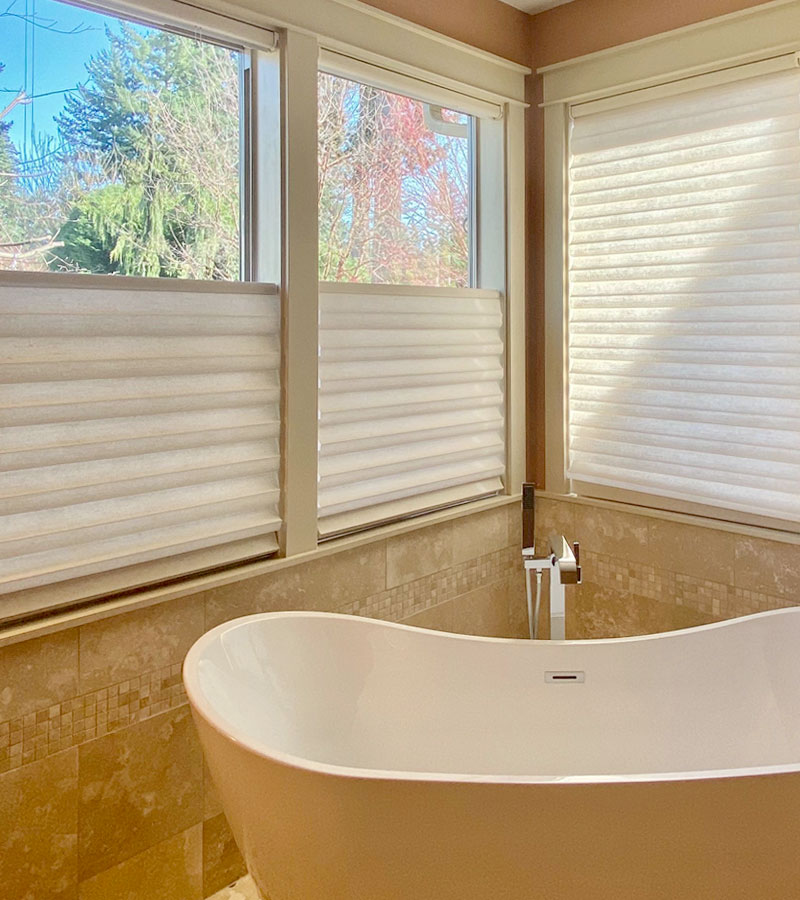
(368,695)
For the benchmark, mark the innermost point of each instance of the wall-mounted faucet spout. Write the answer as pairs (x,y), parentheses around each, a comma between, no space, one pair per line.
(568,558)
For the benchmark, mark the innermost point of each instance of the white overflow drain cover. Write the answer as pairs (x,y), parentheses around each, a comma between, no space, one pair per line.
(565,677)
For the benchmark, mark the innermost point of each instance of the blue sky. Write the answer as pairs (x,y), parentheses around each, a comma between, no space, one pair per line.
(57,62)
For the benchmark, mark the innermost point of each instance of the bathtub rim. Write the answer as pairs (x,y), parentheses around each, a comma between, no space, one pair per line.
(202,707)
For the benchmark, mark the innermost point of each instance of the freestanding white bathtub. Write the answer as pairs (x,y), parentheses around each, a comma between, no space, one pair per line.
(361,760)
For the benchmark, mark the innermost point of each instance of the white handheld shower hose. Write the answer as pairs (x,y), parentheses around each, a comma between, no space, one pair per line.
(533,610)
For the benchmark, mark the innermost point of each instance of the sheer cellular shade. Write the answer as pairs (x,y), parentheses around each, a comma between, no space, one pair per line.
(139,422)
(684,297)
(411,402)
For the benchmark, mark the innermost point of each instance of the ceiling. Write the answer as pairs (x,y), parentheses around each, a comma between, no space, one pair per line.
(535,6)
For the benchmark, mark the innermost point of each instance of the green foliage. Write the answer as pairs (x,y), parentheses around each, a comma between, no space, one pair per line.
(88,242)
(152,159)
(144,178)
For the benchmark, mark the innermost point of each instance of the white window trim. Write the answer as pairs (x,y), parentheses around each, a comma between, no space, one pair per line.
(388,77)
(715,51)
(412,51)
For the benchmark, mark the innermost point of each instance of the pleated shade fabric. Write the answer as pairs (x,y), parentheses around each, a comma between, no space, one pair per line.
(139,421)
(411,401)
(684,297)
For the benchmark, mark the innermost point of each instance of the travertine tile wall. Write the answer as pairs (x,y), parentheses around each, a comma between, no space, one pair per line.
(644,574)
(103,792)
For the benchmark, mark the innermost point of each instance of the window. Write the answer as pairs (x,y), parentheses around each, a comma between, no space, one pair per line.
(395,187)
(121,148)
(684,293)
(412,407)
(141,421)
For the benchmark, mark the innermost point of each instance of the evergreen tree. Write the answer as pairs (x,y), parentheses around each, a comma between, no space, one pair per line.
(152,153)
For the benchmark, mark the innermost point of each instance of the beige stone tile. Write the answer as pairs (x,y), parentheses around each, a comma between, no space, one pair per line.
(324,584)
(124,646)
(553,516)
(599,611)
(612,532)
(39,830)
(38,673)
(222,861)
(265,593)
(478,534)
(483,611)
(770,567)
(705,553)
(514,524)
(672,617)
(331,582)
(169,870)
(438,618)
(419,553)
(138,787)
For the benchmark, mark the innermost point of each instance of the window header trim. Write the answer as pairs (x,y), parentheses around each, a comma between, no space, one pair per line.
(768,30)
(393,81)
(189,20)
(768,66)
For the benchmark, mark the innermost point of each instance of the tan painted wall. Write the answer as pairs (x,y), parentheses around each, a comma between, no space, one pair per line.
(583,26)
(488,24)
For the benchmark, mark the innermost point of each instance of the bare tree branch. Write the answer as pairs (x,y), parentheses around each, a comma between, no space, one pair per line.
(28,254)
(22,99)
(41,22)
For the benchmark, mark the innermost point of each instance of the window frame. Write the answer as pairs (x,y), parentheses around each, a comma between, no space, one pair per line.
(401,47)
(717,51)
(488,237)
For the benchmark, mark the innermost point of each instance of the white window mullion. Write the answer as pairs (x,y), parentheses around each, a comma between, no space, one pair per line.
(300,292)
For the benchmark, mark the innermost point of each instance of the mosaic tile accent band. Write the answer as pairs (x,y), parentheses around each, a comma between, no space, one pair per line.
(405,600)
(653,583)
(72,722)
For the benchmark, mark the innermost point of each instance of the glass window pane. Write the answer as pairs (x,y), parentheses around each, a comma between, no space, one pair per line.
(395,188)
(119,147)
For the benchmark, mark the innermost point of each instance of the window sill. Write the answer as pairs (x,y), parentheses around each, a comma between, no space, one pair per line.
(103,609)
(697,519)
